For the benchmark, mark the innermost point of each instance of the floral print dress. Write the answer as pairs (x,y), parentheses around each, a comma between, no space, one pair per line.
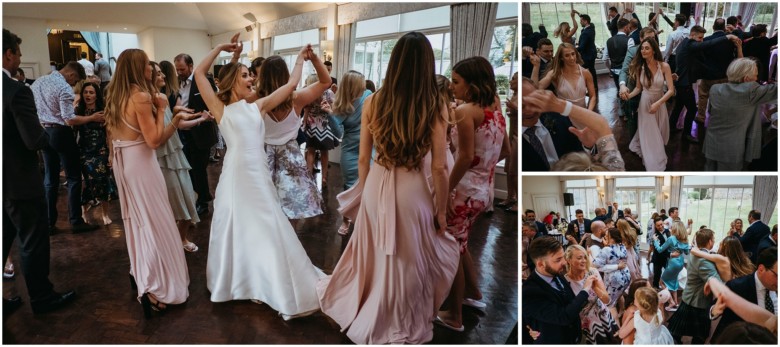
(616,280)
(94,162)
(472,195)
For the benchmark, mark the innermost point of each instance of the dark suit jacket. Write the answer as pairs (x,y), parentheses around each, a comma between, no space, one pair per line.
(764,244)
(204,135)
(758,47)
(753,235)
(745,287)
(663,257)
(23,136)
(612,25)
(533,39)
(587,44)
(554,313)
(541,230)
(718,57)
(574,229)
(528,68)
(691,62)
(563,140)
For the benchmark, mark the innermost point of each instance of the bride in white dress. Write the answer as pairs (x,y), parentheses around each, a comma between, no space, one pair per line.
(254,253)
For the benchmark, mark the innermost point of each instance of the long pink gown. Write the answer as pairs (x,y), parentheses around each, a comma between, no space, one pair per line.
(153,243)
(396,270)
(653,134)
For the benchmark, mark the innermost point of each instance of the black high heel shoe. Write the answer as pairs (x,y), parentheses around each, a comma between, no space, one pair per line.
(148,306)
(133,286)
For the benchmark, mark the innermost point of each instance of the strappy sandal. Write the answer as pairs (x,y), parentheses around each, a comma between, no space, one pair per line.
(8,270)
(441,322)
(148,306)
(190,247)
(344,228)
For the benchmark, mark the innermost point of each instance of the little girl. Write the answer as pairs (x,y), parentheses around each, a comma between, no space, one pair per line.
(648,320)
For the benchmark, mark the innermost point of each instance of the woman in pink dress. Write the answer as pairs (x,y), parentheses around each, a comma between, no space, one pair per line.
(481,133)
(135,115)
(399,263)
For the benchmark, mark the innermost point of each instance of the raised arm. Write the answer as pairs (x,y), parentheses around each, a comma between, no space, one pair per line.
(268,103)
(214,104)
(545,82)
(314,91)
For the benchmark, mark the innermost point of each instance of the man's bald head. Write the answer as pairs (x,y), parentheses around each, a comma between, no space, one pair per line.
(597,228)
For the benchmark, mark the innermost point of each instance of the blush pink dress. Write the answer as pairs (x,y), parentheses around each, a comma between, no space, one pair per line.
(396,270)
(153,243)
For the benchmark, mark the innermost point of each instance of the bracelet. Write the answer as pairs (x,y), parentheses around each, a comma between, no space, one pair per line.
(567,109)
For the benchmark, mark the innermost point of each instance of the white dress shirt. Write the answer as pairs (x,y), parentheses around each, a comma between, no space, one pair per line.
(184,90)
(595,249)
(674,40)
(546,140)
(761,292)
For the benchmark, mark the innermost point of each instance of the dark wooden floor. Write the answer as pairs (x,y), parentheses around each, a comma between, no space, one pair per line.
(96,265)
(682,155)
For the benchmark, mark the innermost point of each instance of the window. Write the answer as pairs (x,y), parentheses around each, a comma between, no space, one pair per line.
(288,46)
(503,57)
(291,55)
(553,14)
(586,197)
(638,194)
(764,15)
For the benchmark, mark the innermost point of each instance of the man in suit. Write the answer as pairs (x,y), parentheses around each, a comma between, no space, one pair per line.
(754,234)
(760,288)
(577,228)
(659,259)
(760,46)
(550,306)
(689,67)
(616,49)
(529,234)
(546,137)
(102,71)
(613,21)
(611,209)
(531,38)
(627,83)
(198,140)
(24,206)
(769,241)
(587,47)
(718,58)
(692,317)
(544,54)
(530,216)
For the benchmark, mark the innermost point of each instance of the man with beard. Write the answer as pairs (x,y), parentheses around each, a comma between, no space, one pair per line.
(551,310)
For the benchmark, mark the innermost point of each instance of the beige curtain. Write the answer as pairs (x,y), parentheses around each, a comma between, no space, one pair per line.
(659,193)
(609,191)
(472,26)
(765,196)
(675,191)
(345,49)
(266,47)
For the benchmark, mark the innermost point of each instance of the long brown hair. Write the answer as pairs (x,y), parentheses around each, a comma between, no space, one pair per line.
(478,74)
(407,106)
(273,75)
(557,62)
(627,232)
(171,78)
(639,62)
(129,74)
(731,248)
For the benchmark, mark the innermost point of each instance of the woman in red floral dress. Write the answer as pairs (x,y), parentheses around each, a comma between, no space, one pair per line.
(482,143)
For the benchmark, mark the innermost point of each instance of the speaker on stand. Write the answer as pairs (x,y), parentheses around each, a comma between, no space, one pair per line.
(568,200)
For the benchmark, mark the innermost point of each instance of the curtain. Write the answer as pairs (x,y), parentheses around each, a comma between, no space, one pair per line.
(526,11)
(345,49)
(675,191)
(659,193)
(748,11)
(266,47)
(765,196)
(97,43)
(472,26)
(697,12)
(609,191)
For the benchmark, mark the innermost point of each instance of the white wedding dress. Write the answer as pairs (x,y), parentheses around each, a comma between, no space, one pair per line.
(254,253)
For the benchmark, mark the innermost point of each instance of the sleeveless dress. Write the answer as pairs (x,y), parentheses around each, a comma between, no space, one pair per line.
(318,127)
(395,271)
(295,187)
(473,192)
(176,172)
(93,149)
(153,244)
(651,333)
(574,93)
(596,321)
(653,133)
(254,252)
(674,265)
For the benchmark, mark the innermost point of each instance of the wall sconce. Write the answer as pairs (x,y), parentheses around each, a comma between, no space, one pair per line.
(666,191)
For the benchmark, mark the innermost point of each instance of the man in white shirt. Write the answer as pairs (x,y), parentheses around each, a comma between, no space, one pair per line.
(675,38)
(674,214)
(89,68)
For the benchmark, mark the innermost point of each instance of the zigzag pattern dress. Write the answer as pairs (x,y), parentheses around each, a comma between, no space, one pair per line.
(317,126)
(596,321)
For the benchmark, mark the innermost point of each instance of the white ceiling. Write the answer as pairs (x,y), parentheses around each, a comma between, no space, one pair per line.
(214,18)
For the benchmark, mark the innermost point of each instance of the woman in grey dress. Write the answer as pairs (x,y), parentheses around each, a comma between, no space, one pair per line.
(175,169)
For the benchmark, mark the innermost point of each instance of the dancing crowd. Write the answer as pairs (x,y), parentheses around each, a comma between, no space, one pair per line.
(732,67)
(588,280)
(418,160)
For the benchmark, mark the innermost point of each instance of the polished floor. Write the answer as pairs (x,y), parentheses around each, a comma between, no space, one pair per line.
(682,155)
(96,264)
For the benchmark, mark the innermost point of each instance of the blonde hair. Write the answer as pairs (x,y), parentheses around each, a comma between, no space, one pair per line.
(229,75)
(577,161)
(627,233)
(408,106)
(570,253)
(352,86)
(680,231)
(740,68)
(646,299)
(312,79)
(562,30)
(129,77)
(557,62)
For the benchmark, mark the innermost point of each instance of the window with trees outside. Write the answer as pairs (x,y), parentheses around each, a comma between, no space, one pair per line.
(586,197)
(638,194)
(716,201)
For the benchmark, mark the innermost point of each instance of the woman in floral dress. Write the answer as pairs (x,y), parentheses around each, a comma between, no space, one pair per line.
(612,261)
(481,133)
(94,151)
